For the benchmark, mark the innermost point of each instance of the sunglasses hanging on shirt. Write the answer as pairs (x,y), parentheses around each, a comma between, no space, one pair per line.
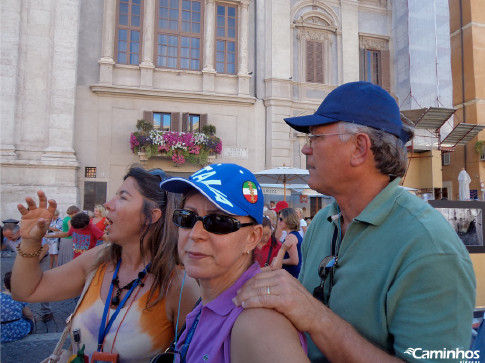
(326,269)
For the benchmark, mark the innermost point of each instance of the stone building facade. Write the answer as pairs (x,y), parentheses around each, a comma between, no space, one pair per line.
(74,85)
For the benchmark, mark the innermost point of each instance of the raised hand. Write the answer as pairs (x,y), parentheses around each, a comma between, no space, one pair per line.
(36,219)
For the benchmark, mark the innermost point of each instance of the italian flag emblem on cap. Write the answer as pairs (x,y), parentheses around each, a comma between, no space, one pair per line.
(250,192)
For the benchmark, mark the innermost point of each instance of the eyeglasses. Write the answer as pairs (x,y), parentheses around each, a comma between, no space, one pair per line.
(326,269)
(213,223)
(310,137)
(281,219)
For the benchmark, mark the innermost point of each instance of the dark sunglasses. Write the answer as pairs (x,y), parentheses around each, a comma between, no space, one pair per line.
(326,269)
(213,223)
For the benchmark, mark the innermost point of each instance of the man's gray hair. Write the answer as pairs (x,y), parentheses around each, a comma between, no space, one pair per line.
(390,154)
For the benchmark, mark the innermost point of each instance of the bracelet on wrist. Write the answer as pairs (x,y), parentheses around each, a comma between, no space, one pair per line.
(23,254)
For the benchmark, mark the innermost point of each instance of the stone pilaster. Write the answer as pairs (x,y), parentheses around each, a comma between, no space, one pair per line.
(106,63)
(147,66)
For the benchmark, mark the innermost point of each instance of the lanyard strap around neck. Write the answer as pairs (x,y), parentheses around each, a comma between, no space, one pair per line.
(103,330)
(188,338)
(334,241)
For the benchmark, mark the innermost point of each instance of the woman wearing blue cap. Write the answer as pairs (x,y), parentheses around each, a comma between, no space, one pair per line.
(228,202)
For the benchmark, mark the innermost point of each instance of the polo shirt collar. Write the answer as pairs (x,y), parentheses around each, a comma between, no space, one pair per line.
(223,305)
(378,209)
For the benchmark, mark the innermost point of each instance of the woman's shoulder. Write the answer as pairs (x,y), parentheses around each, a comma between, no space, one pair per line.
(292,236)
(264,320)
(260,335)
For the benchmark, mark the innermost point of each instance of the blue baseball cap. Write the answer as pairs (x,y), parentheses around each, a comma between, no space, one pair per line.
(232,188)
(361,103)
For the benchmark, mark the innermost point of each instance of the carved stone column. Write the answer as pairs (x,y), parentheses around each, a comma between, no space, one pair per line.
(243,39)
(208,71)
(106,62)
(243,49)
(147,66)
(210,26)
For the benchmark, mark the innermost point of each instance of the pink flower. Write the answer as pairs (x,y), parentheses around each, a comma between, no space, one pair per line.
(194,149)
(178,158)
(218,148)
(133,142)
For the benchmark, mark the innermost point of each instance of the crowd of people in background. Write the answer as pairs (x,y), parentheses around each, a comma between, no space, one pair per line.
(374,249)
(62,242)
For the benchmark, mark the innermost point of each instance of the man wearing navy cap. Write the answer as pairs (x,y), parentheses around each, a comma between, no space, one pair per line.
(384,276)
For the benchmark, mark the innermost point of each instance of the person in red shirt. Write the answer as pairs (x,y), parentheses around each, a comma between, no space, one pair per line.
(84,234)
(269,246)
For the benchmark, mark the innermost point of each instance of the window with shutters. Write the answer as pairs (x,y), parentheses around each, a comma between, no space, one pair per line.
(194,123)
(314,61)
(371,66)
(176,121)
(315,45)
(226,35)
(375,61)
(162,121)
(129,25)
(179,34)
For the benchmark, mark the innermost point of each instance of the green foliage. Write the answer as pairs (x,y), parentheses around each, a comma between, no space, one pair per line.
(151,150)
(144,126)
(209,129)
(479,146)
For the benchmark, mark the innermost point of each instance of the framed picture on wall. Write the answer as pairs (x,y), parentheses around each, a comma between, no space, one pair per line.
(467,219)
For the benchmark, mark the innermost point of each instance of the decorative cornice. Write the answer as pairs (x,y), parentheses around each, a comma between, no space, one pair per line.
(314,35)
(366,42)
(105,90)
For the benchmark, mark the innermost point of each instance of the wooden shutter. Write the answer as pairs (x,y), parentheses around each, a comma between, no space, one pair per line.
(386,70)
(314,61)
(185,122)
(362,74)
(148,116)
(203,121)
(310,60)
(318,62)
(175,122)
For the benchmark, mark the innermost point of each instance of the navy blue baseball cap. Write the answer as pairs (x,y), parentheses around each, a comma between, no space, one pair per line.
(360,103)
(232,188)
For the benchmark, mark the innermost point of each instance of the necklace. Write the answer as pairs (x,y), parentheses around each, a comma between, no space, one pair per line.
(105,325)
(115,301)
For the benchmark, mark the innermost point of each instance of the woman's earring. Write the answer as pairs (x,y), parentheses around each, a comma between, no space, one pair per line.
(248,252)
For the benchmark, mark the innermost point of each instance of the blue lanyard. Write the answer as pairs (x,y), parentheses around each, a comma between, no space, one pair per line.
(188,338)
(103,331)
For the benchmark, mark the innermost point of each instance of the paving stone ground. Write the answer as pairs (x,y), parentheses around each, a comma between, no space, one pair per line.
(40,344)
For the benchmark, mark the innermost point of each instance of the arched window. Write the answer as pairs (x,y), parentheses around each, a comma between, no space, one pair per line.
(316,37)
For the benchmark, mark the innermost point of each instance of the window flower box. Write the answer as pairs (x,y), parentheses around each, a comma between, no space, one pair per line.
(182,147)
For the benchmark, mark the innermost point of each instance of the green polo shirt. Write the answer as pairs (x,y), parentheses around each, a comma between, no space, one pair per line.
(404,278)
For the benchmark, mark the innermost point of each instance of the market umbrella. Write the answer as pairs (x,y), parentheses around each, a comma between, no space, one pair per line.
(282,175)
(464,185)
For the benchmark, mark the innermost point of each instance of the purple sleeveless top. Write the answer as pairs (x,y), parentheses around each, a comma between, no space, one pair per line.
(212,338)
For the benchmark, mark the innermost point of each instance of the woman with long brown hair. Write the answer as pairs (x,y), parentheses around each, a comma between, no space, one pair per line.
(130,309)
